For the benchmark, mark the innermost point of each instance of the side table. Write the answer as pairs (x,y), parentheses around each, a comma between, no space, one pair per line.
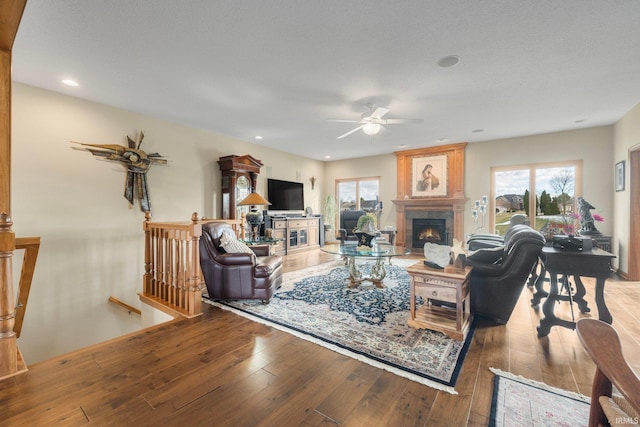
(594,263)
(263,245)
(450,286)
(388,236)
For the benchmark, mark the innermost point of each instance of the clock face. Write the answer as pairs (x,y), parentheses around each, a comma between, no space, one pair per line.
(243,188)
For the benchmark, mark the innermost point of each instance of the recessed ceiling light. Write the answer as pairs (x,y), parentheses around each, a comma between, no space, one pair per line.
(442,140)
(403,146)
(258,137)
(448,61)
(70,82)
(327,157)
(580,121)
(477,130)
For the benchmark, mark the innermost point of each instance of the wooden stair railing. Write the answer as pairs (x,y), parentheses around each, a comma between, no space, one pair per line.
(173,281)
(129,308)
(31,246)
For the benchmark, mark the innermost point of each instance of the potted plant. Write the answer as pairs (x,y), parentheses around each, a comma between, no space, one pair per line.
(329,213)
(367,223)
(366,229)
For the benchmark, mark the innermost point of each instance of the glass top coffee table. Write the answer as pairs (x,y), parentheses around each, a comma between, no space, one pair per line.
(378,252)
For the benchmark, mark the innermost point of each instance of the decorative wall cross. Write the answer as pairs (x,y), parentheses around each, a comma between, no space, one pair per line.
(135,161)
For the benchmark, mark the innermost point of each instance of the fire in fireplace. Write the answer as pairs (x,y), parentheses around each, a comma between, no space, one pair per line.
(429,230)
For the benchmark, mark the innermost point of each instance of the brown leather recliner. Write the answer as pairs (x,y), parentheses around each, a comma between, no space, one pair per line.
(237,275)
(499,273)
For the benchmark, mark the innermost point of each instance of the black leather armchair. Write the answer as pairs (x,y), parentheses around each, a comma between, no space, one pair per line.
(348,222)
(237,275)
(499,273)
(484,240)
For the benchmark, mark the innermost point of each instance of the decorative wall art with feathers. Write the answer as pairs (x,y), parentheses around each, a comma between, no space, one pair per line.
(134,160)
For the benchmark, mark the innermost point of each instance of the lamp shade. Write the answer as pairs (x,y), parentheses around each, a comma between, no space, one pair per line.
(254,199)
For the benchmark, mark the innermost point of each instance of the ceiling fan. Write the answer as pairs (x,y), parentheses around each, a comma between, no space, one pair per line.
(372,121)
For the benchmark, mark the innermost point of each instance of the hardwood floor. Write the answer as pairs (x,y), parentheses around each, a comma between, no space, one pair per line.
(223,370)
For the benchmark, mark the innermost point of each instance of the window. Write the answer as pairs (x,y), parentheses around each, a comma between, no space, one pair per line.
(545,192)
(358,194)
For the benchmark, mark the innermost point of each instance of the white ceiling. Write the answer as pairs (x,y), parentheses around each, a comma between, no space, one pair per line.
(281,68)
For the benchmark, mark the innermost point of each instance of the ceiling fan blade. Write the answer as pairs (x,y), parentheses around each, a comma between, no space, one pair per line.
(343,121)
(350,132)
(379,112)
(400,121)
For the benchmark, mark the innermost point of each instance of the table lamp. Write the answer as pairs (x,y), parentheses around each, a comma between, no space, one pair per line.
(254,217)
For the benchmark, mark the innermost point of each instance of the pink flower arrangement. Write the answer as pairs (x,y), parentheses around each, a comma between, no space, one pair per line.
(571,228)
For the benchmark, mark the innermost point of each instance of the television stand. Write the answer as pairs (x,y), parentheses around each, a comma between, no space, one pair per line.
(295,233)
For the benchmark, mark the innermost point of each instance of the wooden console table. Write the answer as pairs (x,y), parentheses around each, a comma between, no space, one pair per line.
(449,286)
(595,263)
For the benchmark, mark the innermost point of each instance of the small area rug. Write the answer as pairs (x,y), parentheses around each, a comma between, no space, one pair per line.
(366,323)
(518,401)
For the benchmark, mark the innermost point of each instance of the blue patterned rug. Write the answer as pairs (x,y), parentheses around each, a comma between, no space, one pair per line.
(366,322)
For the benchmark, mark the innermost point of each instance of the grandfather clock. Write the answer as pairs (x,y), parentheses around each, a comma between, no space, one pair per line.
(239,176)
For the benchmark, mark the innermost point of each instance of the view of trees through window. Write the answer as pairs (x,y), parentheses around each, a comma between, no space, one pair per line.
(358,194)
(550,210)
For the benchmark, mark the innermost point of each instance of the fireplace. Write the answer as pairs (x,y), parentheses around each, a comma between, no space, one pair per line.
(428,226)
(435,212)
(412,203)
(429,231)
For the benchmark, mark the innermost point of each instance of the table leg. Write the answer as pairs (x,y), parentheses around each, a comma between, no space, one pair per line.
(539,285)
(548,307)
(603,311)
(412,299)
(579,296)
(355,276)
(533,277)
(378,272)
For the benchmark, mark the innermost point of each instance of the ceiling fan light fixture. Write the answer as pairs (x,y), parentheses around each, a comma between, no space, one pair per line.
(371,128)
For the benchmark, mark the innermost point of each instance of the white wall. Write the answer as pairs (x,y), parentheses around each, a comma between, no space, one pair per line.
(626,136)
(92,241)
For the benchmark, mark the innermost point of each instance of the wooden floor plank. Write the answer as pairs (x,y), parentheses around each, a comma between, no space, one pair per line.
(412,407)
(339,404)
(375,404)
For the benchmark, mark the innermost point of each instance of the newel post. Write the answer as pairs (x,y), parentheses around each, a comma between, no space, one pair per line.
(148,265)
(196,280)
(8,340)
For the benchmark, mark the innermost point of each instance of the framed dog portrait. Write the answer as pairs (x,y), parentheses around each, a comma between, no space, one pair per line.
(429,176)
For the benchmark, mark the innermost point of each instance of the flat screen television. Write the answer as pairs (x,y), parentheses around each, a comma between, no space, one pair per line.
(285,195)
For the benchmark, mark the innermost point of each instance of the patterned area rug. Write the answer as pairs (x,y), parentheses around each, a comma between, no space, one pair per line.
(518,401)
(366,323)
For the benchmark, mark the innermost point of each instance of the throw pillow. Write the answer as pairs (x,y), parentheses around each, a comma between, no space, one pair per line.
(487,255)
(232,245)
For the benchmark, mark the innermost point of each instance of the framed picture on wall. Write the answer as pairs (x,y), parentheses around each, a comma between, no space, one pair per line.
(429,176)
(619,177)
